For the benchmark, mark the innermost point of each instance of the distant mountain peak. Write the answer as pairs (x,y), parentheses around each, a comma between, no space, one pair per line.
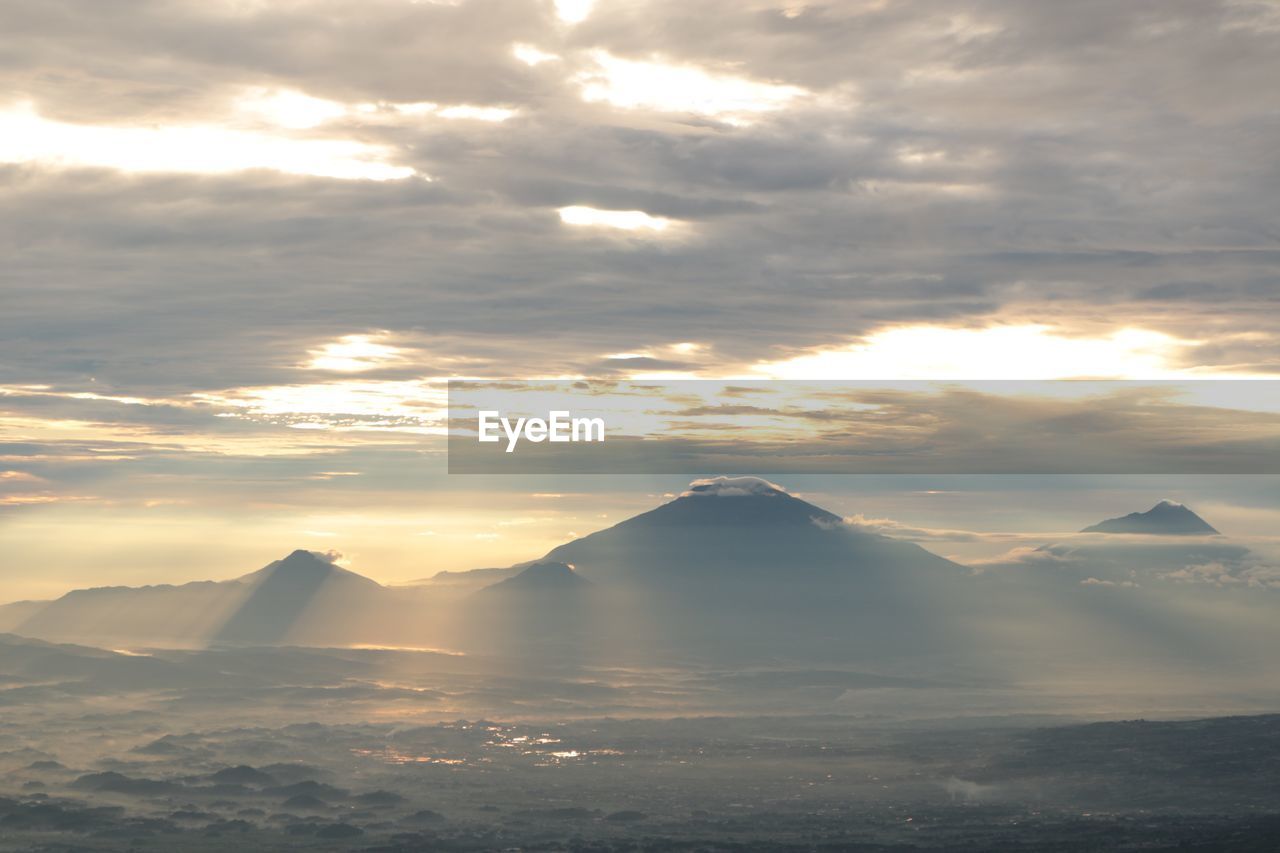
(281,593)
(1167,518)
(542,575)
(298,563)
(303,556)
(305,566)
(719,502)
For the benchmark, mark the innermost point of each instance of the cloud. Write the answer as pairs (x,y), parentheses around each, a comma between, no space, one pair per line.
(854,173)
(1026,555)
(1249,572)
(1144,561)
(1087,251)
(19,477)
(911,427)
(900,530)
(969,791)
(1109,584)
(731,487)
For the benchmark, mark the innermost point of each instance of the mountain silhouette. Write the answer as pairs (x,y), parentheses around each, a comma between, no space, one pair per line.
(738,530)
(543,576)
(281,592)
(544,611)
(1167,518)
(734,570)
(739,567)
(265,606)
(305,567)
(734,502)
(733,567)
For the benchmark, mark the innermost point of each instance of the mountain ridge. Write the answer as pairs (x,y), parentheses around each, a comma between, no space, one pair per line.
(541,576)
(734,568)
(1166,518)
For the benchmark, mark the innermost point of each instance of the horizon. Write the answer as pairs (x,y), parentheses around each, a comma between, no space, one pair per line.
(961,545)
(189,354)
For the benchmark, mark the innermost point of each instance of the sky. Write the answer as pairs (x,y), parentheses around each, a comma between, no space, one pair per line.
(245,243)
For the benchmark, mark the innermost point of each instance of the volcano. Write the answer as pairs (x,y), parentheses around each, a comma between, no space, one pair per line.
(1167,518)
(282,592)
(734,568)
(265,606)
(543,576)
(737,568)
(734,530)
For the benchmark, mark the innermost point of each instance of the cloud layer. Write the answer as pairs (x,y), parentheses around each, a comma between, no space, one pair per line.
(314,211)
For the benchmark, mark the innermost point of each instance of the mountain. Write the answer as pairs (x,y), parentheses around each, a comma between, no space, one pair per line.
(734,567)
(303,569)
(1169,546)
(541,577)
(301,596)
(1167,518)
(735,571)
(23,659)
(164,614)
(468,580)
(284,592)
(546,611)
(728,531)
(27,658)
(734,502)
(739,568)
(15,613)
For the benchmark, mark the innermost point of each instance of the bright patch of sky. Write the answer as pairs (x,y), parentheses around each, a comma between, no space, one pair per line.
(625,220)
(414,405)
(530,55)
(296,110)
(667,87)
(938,352)
(291,109)
(353,354)
(574,11)
(28,137)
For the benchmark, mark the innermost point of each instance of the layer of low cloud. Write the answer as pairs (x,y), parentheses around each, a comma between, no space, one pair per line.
(1129,562)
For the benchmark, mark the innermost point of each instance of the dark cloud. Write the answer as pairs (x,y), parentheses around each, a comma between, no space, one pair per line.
(110,61)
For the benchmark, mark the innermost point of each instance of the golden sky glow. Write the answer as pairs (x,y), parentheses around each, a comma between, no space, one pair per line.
(998,352)
(354,354)
(574,11)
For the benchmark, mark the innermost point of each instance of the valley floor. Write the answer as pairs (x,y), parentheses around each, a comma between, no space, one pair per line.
(284,749)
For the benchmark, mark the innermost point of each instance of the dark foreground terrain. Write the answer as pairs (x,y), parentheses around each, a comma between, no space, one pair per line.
(280,749)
